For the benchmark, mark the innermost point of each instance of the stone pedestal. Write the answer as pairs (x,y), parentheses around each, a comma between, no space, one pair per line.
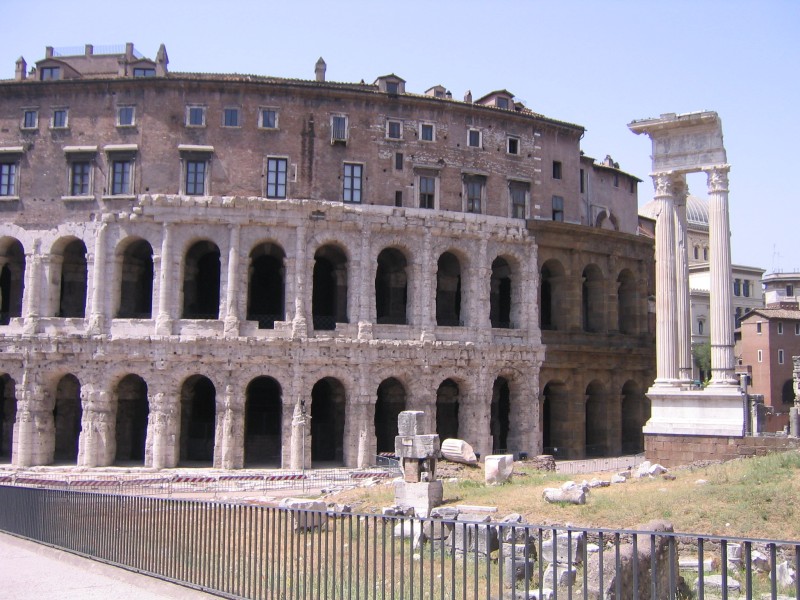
(718,411)
(422,497)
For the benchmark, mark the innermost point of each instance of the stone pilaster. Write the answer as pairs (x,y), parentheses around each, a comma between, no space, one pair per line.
(97,446)
(481,287)
(34,428)
(427,290)
(162,451)
(683,304)
(232,289)
(229,434)
(300,322)
(33,287)
(98,316)
(722,359)
(365,300)
(166,278)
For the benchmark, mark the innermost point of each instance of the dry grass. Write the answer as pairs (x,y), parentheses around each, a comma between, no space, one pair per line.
(756,497)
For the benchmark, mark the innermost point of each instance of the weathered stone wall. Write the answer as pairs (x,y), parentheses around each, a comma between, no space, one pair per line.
(673,451)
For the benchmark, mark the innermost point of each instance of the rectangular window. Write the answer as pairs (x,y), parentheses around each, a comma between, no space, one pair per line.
(60,118)
(50,73)
(780,357)
(558,208)
(583,185)
(760,356)
(394,130)
(196,177)
(758,327)
(474,186)
(351,189)
(746,288)
(121,177)
(790,290)
(797,328)
(269,118)
(737,287)
(30,119)
(80,174)
(398,198)
(276,177)
(474,138)
(616,179)
(338,128)
(8,179)
(427,191)
(780,328)
(519,191)
(125,116)
(195,116)
(512,145)
(426,132)
(230,117)
(501,103)
(392,87)
(556,169)
(144,72)
(398,161)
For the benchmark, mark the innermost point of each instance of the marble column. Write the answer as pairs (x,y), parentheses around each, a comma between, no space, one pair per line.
(232,288)
(300,322)
(666,285)
(97,319)
(97,443)
(722,359)
(683,305)
(229,434)
(166,279)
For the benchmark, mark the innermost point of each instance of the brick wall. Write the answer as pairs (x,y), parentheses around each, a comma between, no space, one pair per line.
(675,450)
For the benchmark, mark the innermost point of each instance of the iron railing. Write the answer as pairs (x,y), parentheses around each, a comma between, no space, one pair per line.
(246,551)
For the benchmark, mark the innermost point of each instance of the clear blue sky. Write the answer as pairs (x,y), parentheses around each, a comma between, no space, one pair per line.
(600,64)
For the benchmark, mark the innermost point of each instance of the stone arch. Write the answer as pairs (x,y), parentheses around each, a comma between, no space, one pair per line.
(198,420)
(391,287)
(263,412)
(136,279)
(8,415)
(554,416)
(12,279)
(596,420)
(201,281)
(328,403)
(266,285)
(391,401)
(501,303)
(449,290)
(552,296)
(500,415)
(592,305)
(67,414)
(69,261)
(635,413)
(447,409)
(626,302)
(787,392)
(329,295)
(132,410)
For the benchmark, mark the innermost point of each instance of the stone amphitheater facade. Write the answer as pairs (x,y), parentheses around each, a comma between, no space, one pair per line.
(191,261)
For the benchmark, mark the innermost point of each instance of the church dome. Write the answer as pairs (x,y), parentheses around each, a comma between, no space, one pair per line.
(696,211)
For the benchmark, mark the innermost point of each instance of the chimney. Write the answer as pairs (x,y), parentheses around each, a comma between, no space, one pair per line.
(162,60)
(319,69)
(129,51)
(468,96)
(20,72)
(88,49)
(48,52)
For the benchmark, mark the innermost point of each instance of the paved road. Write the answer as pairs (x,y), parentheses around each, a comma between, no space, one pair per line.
(30,571)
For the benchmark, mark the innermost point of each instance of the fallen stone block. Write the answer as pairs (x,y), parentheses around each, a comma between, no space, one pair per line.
(599,483)
(643,469)
(458,451)
(410,423)
(558,575)
(569,546)
(786,574)
(474,533)
(618,479)
(574,496)
(498,468)
(759,561)
(306,514)
(713,584)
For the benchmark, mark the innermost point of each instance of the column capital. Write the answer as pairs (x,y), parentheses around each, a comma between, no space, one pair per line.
(717,178)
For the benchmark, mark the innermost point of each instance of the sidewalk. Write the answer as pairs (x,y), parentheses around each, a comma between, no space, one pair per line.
(30,571)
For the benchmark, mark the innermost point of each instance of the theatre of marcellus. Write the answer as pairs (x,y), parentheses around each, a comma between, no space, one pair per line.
(188,259)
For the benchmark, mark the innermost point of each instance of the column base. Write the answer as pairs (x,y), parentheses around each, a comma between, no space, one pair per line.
(713,412)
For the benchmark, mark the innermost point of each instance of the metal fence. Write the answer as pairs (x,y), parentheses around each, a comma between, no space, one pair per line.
(246,551)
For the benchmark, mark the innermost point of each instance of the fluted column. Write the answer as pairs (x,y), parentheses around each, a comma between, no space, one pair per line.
(722,359)
(97,319)
(232,289)
(666,286)
(166,282)
(683,306)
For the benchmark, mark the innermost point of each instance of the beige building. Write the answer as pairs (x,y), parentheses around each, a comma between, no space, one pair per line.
(188,259)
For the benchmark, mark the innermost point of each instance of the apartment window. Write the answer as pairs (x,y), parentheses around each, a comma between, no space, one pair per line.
(60,118)
(427,191)
(760,356)
(780,357)
(230,117)
(352,187)
(427,132)
(8,179)
(700,327)
(519,190)
(780,328)
(582,184)
(276,177)
(558,208)
(474,186)
(394,130)
(49,73)
(705,253)
(398,198)
(474,138)
(696,253)
(556,169)
(737,287)
(758,327)
(195,181)
(30,119)
(512,145)
(125,116)
(398,161)
(790,290)
(338,128)
(797,328)
(501,103)
(80,177)
(268,118)
(195,116)
(121,172)
(392,87)
(144,72)
(746,288)
(616,179)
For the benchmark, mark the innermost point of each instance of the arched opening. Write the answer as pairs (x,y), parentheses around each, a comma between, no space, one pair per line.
(72,294)
(329,298)
(596,424)
(198,420)
(12,279)
(635,413)
(592,300)
(448,291)
(391,287)
(266,281)
(501,408)
(263,411)
(201,282)
(500,295)
(555,422)
(447,410)
(327,421)
(136,281)
(8,414)
(626,302)
(133,409)
(787,393)
(67,419)
(390,403)
(552,315)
